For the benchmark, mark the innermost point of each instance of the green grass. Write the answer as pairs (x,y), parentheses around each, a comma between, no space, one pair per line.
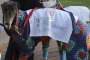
(75,3)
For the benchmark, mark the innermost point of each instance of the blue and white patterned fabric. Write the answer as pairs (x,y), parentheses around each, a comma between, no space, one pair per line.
(25,43)
(77,48)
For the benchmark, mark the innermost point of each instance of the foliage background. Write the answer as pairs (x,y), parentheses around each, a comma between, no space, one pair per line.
(75,3)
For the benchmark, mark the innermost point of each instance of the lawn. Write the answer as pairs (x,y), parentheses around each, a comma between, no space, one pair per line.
(75,3)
